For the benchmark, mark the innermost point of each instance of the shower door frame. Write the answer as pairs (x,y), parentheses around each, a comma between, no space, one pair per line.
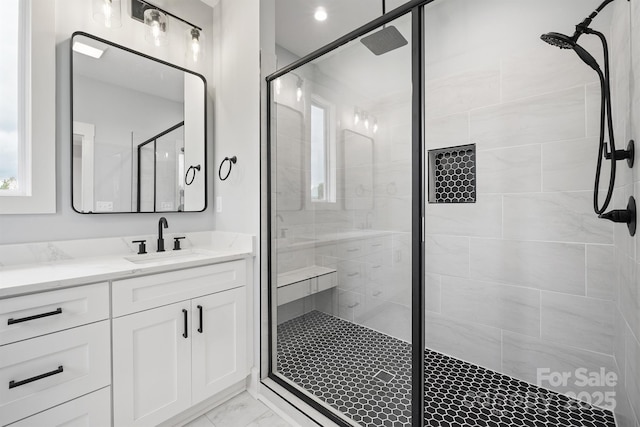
(416,10)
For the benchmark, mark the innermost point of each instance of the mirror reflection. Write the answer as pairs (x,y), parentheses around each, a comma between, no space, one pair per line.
(138,131)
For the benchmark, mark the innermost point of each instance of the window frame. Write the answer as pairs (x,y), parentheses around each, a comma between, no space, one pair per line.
(37,119)
(332,197)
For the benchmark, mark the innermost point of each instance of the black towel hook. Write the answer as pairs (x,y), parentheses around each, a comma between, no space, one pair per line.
(232,161)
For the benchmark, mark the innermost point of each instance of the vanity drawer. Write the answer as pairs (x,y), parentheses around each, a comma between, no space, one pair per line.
(92,410)
(143,293)
(42,372)
(33,315)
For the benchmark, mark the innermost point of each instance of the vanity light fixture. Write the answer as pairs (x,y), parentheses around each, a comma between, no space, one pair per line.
(320,14)
(85,49)
(158,26)
(368,120)
(107,12)
(157,21)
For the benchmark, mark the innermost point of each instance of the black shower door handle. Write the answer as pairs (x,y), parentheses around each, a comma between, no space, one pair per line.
(185,334)
(200,316)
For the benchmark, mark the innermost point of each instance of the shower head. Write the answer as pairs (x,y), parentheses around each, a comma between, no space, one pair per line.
(565,42)
(559,40)
(385,40)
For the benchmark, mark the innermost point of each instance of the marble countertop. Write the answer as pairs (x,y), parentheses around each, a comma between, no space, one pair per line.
(37,267)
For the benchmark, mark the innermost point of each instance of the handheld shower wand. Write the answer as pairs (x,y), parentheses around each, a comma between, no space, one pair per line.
(565,42)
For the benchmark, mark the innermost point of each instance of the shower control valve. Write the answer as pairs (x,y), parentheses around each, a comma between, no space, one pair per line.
(627,216)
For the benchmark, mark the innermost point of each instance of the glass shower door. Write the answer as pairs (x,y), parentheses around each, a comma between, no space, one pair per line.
(341,225)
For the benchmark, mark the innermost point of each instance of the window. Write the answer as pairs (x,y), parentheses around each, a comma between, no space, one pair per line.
(322,150)
(27,72)
(12,168)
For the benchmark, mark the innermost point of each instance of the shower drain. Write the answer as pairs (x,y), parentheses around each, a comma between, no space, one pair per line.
(384,376)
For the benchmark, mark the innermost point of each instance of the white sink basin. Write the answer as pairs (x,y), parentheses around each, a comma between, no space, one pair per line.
(167,256)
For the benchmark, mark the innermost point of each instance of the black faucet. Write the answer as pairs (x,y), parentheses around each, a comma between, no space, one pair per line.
(161,223)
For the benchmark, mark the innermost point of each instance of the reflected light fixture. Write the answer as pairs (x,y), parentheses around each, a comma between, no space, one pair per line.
(356,116)
(278,86)
(320,14)
(375,125)
(194,43)
(366,121)
(107,12)
(299,90)
(158,26)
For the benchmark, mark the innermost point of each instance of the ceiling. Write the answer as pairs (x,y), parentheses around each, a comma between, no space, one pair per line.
(298,31)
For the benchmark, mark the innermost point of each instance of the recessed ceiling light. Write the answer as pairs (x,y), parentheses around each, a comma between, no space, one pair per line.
(321,14)
(85,49)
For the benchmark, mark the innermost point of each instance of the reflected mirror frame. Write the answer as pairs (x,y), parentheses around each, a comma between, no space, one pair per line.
(126,49)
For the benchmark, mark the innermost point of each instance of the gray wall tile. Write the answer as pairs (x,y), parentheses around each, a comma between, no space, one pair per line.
(578,321)
(551,266)
(500,306)
(467,341)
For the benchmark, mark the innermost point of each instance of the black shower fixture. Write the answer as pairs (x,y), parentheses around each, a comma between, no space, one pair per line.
(565,42)
(385,40)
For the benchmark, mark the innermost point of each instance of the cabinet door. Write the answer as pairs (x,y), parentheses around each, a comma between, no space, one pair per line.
(219,347)
(151,365)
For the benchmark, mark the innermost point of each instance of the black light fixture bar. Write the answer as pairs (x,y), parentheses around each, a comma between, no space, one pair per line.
(138,8)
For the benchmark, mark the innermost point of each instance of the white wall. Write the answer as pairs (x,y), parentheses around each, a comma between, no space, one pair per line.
(76,15)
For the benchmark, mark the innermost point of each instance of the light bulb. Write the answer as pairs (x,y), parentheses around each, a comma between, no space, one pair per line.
(157,22)
(195,44)
(375,126)
(320,14)
(356,117)
(299,94)
(107,11)
(366,122)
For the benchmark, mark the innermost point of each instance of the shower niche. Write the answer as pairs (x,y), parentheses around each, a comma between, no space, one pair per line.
(452,174)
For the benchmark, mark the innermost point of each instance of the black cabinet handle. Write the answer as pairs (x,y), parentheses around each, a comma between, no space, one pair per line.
(185,333)
(14,384)
(37,316)
(200,314)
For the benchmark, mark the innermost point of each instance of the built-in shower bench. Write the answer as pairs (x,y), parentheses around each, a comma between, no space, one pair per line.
(300,283)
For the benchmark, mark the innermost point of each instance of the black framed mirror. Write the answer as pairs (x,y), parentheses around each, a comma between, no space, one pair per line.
(139,131)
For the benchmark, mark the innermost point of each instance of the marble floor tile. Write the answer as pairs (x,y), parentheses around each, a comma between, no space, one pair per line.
(239,411)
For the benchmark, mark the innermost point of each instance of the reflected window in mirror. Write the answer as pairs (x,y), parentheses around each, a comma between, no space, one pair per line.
(323,152)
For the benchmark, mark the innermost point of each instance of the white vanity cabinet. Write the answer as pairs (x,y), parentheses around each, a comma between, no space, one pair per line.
(179,338)
(54,347)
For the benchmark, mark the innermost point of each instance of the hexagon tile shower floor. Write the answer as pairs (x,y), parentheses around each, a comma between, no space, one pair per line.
(340,363)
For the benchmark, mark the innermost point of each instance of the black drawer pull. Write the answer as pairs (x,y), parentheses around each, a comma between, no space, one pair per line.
(14,384)
(37,316)
(185,333)
(200,314)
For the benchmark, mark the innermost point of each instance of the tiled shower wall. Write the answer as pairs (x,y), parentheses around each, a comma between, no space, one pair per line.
(625,47)
(524,278)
